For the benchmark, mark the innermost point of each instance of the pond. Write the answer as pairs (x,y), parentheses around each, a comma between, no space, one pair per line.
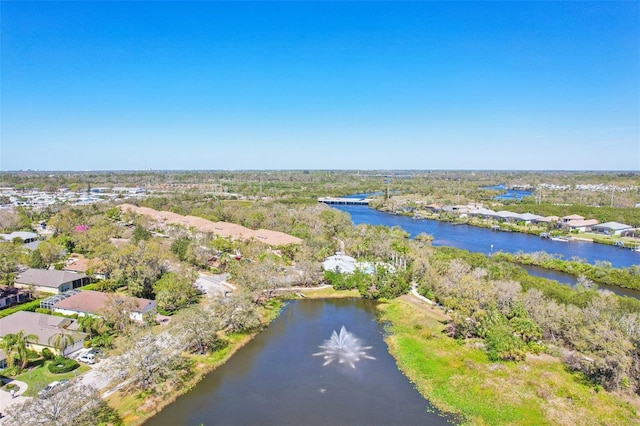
(276,379)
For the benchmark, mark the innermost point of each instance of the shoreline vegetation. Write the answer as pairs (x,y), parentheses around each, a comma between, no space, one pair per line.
(458,377)
(627,242)
(600,274)
(461,357)
(136,408)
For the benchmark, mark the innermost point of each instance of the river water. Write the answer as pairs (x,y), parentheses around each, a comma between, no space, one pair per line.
(276,380)
(486,241)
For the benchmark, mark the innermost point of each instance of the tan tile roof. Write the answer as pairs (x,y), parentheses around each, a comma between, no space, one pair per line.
(77,265)
(573,217)
(223,229)
(580,223)
(92,302)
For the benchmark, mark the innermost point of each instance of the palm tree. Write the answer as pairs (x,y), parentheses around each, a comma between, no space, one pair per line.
(8,345)
(16,343)
(60,341)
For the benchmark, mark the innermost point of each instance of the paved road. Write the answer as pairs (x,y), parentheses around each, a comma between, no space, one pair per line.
(214,284)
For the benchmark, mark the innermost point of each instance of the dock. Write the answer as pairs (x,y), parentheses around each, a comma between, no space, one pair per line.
(344,201)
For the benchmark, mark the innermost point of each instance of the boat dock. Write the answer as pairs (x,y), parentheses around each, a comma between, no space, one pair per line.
(345,201)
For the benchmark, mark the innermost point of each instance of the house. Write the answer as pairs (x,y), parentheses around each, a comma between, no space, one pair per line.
(580,225)
(50,281)
(11,295)
(44,327)
(567,219)
(90,302)
(507,216)
(26,237)
(548,220)
(483,213)
(530,217)
(343,264)
(340,263)
(81,265)
(611,228)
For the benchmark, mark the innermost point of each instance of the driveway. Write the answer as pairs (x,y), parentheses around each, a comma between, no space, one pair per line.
(6,400)
(213,285)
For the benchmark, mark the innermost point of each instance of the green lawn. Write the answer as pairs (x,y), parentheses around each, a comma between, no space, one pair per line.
(457,377)
(37,376)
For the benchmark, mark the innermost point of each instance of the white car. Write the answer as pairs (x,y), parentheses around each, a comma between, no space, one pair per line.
(88,358)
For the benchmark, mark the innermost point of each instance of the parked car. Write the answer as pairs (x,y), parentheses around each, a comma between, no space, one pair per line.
(48,388)
(88,358)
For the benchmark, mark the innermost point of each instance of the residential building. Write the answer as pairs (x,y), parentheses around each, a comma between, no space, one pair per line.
(611,228)
(44,327)
(26,237)
(90,302)
(50,281)
(580,225)
(10,296)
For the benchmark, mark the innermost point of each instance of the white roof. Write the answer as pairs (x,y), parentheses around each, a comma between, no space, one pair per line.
(506,214)
(339,263)
(614,225)
(530,216)
(20,234)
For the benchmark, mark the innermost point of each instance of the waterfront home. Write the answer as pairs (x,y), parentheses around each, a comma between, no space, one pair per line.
(611,228)
(547,220)
(44,327)
(507,216)
(530,218)
(93,303)
(50,281)
(578,225)
(482,212)
(567,219)
(340,263)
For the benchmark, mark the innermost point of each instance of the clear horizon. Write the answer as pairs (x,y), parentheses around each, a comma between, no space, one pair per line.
(170,86)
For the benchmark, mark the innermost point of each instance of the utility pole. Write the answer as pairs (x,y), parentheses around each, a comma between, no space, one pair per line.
(612,191)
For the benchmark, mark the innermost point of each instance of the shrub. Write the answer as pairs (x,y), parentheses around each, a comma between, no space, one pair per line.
(47,354)
(61,365)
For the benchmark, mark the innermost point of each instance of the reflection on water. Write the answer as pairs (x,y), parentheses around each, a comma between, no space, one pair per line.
(275,380)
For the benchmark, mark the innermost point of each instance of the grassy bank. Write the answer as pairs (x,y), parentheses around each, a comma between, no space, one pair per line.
(458,378)
(135,409)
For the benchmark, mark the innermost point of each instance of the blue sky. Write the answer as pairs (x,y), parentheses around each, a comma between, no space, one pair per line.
(298,85)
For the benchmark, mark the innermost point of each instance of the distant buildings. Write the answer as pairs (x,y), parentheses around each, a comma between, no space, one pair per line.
(222,229)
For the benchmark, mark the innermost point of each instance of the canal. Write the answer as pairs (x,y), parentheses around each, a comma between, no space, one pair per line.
(276,379)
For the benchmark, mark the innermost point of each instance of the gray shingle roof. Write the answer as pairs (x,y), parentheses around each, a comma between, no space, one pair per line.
(47,277)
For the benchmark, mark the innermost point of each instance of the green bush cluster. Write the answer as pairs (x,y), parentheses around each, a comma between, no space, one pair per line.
(383,284)
(28,306)
(61,365)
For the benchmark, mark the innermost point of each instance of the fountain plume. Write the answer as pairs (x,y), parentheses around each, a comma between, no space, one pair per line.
(343,347)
